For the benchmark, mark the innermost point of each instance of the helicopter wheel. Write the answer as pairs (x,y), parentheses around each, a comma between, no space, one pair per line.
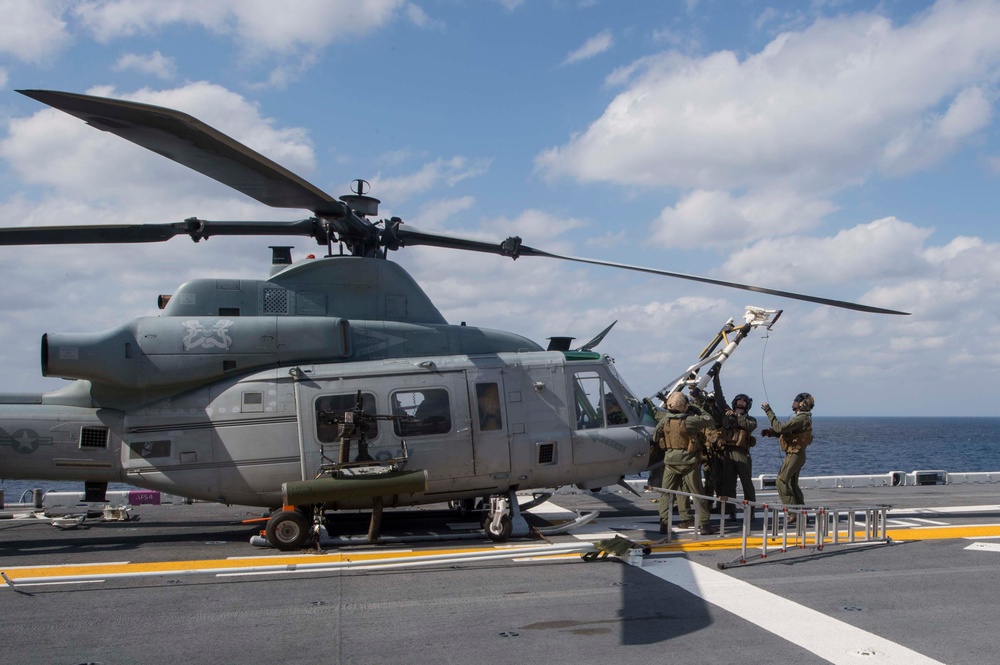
(287,530)
(500,534)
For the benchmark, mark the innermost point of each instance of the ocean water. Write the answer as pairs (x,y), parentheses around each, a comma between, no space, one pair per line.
(857,446)
(841,446)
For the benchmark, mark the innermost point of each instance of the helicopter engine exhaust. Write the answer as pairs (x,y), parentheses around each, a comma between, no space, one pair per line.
(150,352)
(328,490)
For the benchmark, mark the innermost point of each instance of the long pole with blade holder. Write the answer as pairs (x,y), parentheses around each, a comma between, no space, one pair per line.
(754,317)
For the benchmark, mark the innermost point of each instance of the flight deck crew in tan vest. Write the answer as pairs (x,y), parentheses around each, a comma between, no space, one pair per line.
(679,435)
(793,436)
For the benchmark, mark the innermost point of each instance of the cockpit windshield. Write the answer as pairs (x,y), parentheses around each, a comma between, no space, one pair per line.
(641,410)
(603,400)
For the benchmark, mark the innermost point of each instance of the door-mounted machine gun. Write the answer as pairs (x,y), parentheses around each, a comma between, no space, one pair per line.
(365,476)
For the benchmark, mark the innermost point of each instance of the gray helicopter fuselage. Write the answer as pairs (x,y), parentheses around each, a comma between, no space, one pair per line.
(219,398)
(509,420)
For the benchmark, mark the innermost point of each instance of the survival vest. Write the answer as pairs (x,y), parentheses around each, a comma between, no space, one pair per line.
(676,436)
(796,441)
(738,438)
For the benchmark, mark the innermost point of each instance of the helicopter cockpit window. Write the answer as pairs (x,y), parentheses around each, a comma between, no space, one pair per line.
(596,404)
(632,404)
(488,396)
(332,408)
(425,411)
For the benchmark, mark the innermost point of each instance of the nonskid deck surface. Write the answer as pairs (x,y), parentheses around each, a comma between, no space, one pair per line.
(925,598)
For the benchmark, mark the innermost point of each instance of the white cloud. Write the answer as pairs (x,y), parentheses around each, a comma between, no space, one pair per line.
(594,46)
(154,63)
(882,249)
(718,219)
(435,213)
(258,24)
(510,5)
(818,109)
(441,171)
(33,31)
(284,75)
(932,137)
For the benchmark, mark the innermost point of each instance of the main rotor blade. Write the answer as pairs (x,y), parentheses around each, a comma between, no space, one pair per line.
(513,248)
(188,141)
(528,251)
(197,229)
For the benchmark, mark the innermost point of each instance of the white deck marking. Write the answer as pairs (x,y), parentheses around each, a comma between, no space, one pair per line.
(831,639)
(552,511)
(945,510)
(985,547)
(895,523)
(555,513)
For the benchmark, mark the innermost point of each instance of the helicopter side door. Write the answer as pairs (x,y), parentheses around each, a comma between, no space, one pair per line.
(490,438)
(436,424)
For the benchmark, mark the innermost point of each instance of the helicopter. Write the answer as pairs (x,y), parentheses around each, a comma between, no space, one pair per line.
(335,383)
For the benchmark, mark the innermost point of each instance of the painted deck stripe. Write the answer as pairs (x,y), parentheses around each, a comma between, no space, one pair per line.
(829,638)
(706,544)
(985,547)
(946,510)
(208,565)
(917,533)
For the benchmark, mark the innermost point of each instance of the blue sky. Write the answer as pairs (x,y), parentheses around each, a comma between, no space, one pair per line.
(844,149)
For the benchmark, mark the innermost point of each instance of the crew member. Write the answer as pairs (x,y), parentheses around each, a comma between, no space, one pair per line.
(679,435)
(615,414)
(793,436)
(738,427)
(713,453)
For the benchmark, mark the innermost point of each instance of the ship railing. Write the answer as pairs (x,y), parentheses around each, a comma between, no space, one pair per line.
(786,528)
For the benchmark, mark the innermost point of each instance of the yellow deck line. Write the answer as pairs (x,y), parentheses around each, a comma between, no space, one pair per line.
(945,532)
(71,570)
(708,544)
(922,533)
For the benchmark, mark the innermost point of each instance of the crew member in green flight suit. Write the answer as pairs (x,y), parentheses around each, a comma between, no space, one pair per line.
(793,436)
(679,435)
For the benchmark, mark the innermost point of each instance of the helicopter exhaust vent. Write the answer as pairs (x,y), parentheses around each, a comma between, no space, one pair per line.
(281,255)
(560,343)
